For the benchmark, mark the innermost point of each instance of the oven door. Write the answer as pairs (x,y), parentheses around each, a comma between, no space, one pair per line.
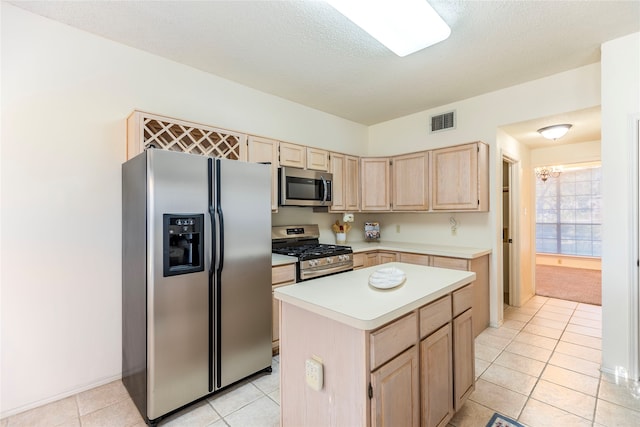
(306,272)
(300,187)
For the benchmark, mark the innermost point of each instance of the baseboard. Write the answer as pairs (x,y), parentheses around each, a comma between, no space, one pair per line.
(14,411)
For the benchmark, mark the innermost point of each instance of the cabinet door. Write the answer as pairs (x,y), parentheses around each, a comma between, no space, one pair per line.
(396,395)
(371,259)
(463,357)
(317,159)
(358,261)
(293,155)
(455,178)
(436,378)
(337,169)
(374,173)
(385,257)
(352,183)
(411,182)
(263,150)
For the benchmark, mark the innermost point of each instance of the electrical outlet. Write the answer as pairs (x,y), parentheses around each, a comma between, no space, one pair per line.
(397,228)
(314,374)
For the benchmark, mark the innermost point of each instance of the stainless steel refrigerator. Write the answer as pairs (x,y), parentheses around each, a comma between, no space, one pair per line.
(196,277)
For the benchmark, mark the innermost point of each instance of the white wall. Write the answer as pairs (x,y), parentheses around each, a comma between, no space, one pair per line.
(620,110)
(479,118)
(582,152)
(65,97)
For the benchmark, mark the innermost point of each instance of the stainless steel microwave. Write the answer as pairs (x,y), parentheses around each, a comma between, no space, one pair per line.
(301,187)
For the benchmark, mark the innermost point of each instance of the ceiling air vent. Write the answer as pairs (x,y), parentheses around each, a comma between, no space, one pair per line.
(443,121)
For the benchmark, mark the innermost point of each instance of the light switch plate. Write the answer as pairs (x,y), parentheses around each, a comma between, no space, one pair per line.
(314,374)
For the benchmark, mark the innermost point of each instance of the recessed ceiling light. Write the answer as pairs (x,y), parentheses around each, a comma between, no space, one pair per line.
(404,26)
(554,132)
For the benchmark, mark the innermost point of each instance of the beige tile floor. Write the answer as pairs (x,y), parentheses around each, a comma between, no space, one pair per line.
(540,367)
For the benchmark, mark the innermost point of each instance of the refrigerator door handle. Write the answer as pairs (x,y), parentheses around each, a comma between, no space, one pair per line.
(220,217)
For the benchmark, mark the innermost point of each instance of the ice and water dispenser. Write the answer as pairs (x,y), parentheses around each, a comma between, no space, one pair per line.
(183,243)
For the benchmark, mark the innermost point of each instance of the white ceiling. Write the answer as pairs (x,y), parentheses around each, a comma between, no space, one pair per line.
(308,53)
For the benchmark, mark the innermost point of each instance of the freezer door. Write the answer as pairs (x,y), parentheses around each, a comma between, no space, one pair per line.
(243,285)
(178,320)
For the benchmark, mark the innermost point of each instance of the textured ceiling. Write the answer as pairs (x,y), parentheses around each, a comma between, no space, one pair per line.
(308,53)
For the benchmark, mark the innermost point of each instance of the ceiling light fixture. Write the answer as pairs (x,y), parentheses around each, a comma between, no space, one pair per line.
(404,26)
(554,132)
(543,173)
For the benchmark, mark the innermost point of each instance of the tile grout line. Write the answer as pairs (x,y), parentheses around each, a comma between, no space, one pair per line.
(547,364)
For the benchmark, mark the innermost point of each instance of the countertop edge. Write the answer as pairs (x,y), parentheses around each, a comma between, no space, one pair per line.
(446,251)
(374,323)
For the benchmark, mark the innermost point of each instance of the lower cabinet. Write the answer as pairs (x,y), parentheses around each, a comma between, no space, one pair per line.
(395,392)
(281,275)
(436,378)
(463,354)
(385,257)
(423,366)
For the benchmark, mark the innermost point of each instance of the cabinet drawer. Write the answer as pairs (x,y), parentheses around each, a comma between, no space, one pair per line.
(283,274)
(414,258)
(393,339)
(452,263)
(462,300)
(434,315)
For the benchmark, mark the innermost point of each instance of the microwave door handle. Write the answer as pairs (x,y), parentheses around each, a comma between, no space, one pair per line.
(324,189)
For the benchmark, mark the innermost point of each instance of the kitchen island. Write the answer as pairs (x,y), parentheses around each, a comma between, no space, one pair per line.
(352,354)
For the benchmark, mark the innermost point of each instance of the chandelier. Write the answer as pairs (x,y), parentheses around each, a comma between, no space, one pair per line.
(543,172)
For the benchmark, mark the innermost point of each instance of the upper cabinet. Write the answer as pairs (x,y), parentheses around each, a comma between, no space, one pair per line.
(460,178)
(346,182)
(293,155)
(264,150)
(410,182)
(317,159)
(145,130)
(375,185)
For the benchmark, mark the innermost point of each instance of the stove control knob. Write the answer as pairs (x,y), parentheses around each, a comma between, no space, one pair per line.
(341,258)
(313,262)
(329,260)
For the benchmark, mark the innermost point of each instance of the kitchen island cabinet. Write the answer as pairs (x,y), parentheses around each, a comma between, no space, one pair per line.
(376,347)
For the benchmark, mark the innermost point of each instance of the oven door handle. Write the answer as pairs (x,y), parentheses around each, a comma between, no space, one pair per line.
(310,274)
(324,189)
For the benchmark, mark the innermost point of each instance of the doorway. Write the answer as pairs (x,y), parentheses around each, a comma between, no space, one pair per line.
(510,294)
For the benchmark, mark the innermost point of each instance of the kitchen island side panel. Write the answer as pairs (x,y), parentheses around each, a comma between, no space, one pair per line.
(343,351)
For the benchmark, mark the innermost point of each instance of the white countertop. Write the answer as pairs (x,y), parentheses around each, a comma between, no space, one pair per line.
(418,248)
(277,259)
(348,298)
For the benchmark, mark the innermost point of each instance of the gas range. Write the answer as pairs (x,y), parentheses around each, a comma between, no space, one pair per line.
(315,259)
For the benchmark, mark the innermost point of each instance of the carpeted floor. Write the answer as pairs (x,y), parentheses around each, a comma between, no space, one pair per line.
(573,284)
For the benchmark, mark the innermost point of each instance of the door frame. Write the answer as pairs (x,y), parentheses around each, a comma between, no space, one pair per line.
(634,300)
(514,227)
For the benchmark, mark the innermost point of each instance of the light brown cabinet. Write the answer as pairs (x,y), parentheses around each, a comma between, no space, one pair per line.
(464,356)
(404,373)
(145,130)
(395,397)
(410,182)
(436,376)
(371,259)
(375,184)
(317,159)
(385,257)
(293,155)
(281,275)
(264,150)
(460,178)
(415,258)
(480,296)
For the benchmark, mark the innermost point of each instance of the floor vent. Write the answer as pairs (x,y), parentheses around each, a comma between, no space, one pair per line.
(443,121)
